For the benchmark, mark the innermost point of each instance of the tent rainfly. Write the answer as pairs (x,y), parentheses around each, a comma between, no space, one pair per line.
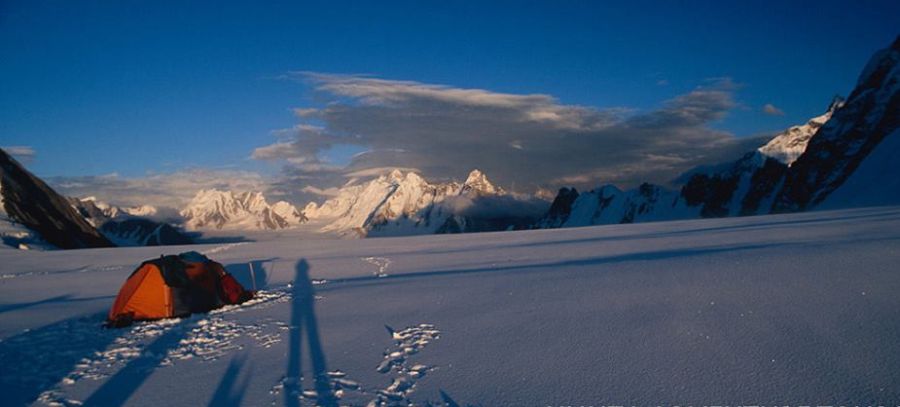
(175,286)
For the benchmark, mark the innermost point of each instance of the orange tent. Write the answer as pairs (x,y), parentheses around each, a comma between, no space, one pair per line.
(175,286)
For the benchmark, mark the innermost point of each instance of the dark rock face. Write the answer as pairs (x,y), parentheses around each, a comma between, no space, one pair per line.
(144,232)
(716,193)
(453,224)
(764,183)
(562,206)
(711,192)
(871,112)
(31,202)
(649,197)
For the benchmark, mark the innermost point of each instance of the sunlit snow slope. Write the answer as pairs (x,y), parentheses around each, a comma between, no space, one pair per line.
(797,309)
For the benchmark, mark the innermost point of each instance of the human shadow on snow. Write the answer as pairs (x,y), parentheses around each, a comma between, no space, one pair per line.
(230,391)
(121,386)
(303,315)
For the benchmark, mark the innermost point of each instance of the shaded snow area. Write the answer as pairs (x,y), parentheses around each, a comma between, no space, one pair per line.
(875,181)
(799,309)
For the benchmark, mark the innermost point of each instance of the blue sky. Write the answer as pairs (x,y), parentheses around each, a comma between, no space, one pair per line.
(137,88)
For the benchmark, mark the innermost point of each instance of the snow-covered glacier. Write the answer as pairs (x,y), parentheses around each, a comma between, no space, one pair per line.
(791,309)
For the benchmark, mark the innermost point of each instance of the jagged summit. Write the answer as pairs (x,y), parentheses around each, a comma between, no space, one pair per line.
(215,209)
(478,181)
(396,175)
(836,103)
(788,145)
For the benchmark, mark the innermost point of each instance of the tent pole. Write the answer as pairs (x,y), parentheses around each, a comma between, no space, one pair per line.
(252,275)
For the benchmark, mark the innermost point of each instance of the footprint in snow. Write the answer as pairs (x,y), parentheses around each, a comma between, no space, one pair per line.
(395,361)
(381,262)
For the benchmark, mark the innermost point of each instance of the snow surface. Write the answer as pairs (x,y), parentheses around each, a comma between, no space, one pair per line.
(874,182)
(796,309)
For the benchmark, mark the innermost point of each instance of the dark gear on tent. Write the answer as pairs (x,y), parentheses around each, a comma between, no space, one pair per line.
(175,286)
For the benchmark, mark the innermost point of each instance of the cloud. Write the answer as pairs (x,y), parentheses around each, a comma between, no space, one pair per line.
(502,206)
(374,172)
(771,110)
(173,190)
(327,192)
(525,141)
(25,154)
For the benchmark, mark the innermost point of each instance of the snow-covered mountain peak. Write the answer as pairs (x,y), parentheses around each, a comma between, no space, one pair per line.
(215,209)
(477,181)
(395,176)
(836,103)
(96,211)
(109,210)
(788,145)
(311,210)
(253,201)
(211,194)
(288,212)
(413,178)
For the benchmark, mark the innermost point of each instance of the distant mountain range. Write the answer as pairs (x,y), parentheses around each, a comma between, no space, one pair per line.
(132,226)
(226,210)
(844,157)
(401,203)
